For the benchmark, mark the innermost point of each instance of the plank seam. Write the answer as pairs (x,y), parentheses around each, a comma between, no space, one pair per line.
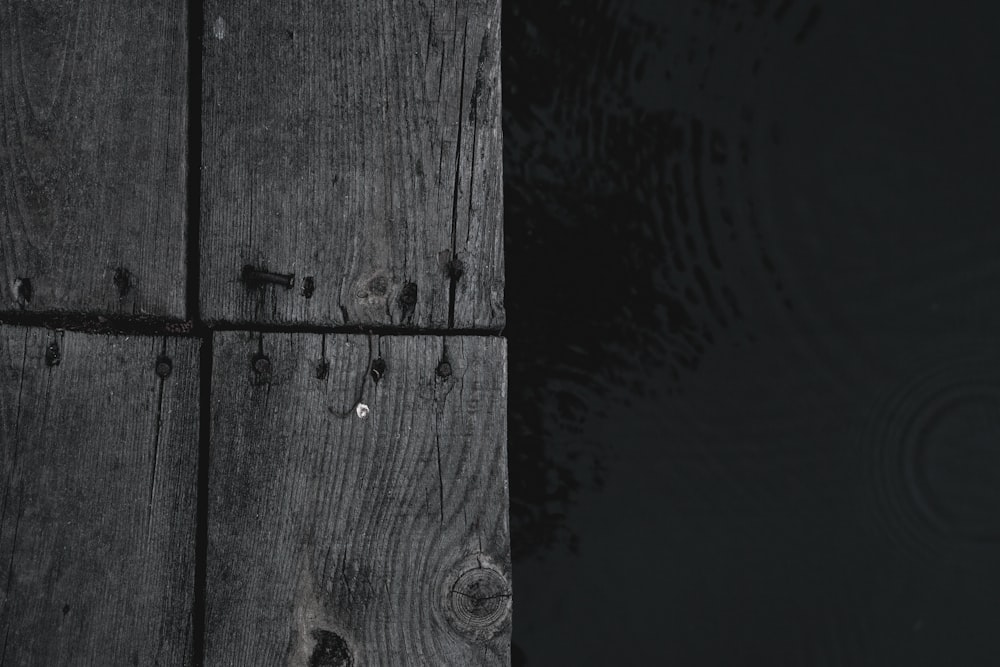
(195,32)
(150,326)
(452,276)
(199,612)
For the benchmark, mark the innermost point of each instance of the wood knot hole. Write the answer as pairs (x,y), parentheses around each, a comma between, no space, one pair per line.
(52,354)
(330,651)
(378,369)
(407,300)
(23,291)
(123,281)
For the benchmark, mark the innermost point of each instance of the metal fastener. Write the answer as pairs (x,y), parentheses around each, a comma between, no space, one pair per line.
(164,366)
(261,365)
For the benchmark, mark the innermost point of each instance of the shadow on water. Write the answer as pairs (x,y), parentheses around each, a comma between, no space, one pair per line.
(752,289)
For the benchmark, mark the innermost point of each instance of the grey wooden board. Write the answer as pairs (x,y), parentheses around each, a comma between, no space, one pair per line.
(93,138)
(97,513)
(332,535)
(357,144)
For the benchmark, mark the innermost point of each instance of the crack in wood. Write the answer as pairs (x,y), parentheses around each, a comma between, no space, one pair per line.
(453,282)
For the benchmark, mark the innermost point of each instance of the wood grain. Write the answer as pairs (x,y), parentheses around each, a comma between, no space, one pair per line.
(93,137)
(341,540)
(97,513)
(356,145)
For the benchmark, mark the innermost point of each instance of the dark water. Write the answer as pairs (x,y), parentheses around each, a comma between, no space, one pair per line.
(753,295)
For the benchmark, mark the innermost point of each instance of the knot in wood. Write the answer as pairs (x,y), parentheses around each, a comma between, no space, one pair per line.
(479,602)
(379,285)
(444,369)
(330,651)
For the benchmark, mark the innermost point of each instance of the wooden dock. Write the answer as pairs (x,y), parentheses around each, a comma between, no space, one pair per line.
(253,392)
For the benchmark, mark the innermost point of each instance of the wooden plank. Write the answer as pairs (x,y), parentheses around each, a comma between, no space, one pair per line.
(356,146)
(339,539)
(93,137)
(97,515)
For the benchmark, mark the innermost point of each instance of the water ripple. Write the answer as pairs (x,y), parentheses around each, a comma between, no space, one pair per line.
(931,462)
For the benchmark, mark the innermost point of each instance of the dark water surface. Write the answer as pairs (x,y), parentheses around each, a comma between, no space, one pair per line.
(753,295)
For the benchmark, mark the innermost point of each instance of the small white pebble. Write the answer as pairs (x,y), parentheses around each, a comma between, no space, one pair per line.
(362,410)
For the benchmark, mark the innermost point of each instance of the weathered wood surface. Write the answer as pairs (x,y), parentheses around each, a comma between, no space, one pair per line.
(356,145)
(97,513)
(93,138)
(337,539)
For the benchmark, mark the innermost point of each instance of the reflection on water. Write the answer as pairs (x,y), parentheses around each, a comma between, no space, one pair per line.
(753,281)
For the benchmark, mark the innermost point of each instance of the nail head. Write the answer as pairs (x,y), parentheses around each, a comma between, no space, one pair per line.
(261,365)
(164,366)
